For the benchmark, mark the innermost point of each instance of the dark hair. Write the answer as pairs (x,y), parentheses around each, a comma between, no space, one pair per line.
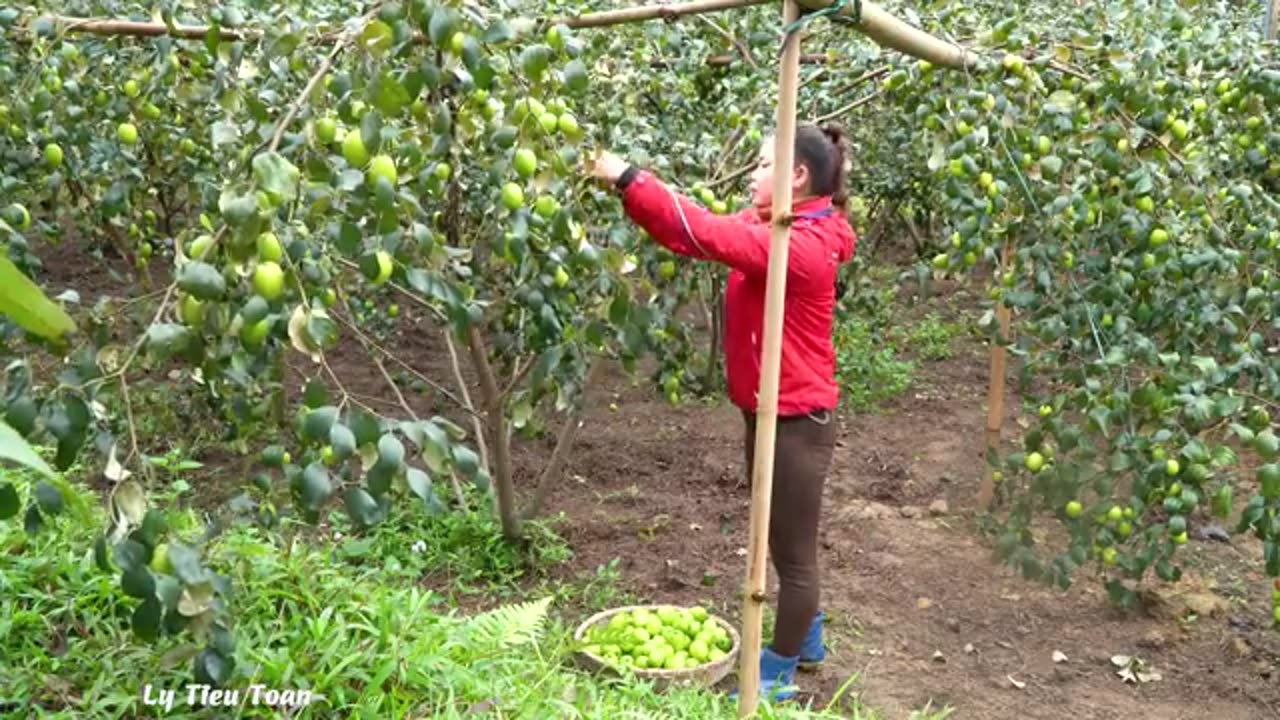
(823,151)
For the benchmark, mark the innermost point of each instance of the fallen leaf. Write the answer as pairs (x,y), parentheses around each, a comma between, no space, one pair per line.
(924,603)
(969,649)
(1016,683)
(939,657)
(1059,657)
(1148,677)
(1121,660)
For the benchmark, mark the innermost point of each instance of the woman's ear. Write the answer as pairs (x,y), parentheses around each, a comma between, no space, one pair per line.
(799,178)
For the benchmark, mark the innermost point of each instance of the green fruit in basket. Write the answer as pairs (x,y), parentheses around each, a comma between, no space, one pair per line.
(716,654)
(699,614)
(698,650)
(722,640)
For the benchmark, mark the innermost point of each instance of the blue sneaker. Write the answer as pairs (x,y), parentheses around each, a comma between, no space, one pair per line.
(777,676)
(812,650)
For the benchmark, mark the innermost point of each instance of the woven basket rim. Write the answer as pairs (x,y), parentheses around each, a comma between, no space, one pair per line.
(701,670)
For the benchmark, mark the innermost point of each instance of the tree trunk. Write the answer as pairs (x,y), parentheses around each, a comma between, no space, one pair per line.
(499,438)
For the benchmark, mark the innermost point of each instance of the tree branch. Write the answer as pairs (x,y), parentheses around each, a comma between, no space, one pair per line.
(370,344)
(746,54)
(466,397)
(847,108)
(564,441)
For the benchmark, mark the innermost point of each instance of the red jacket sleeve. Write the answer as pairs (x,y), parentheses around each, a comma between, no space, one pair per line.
(686,228)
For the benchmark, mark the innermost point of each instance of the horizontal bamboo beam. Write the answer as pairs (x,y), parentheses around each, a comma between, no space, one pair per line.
(872,20)
(888,31)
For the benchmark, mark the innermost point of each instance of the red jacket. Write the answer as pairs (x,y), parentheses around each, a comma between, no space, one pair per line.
(818,246)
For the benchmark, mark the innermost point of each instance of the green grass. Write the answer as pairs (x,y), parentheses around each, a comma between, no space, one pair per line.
(868,371)
(347,620)
(878,355)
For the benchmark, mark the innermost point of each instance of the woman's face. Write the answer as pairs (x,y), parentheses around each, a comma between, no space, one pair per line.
(762,178)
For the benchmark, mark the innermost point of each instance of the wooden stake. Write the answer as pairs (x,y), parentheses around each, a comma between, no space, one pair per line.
(770,363)
(995,388)
(1272,29)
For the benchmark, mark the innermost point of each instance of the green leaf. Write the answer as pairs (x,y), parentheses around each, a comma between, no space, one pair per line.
(342,440)
(499,32)
(166,339)
(23,302)
(435,447)
(49,499)
(16,449)
(202,281)
(361,507)
(100,556)
(283,45)
(138,582)
(419,483)
(129,555)
(317,423)
(388,95)
(1222,501)
(468,463)
(211,668)
(277,176)
(168,590)
(1102,418)
(390,451)
(1269,480)
(9,502)
(364,425)
(377,37)
(186,564)
(1271,552)
(1267,445)
(316,486)
(146,619)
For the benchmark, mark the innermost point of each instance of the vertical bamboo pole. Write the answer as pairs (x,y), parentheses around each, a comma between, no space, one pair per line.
(1273,20)
(770,362)
(995,388)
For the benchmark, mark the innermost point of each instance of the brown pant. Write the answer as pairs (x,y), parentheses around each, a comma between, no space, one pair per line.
(802,455)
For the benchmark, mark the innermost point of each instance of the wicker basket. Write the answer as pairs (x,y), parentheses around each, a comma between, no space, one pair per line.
(704,675)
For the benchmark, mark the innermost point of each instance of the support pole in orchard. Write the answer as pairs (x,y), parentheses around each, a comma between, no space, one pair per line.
(770,365)
(866,17)
(1272,28)
(995,387)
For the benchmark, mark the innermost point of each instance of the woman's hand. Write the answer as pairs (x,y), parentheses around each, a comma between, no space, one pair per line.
(608,167)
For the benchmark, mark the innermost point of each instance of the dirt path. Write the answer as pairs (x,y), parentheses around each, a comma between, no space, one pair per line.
(919,609)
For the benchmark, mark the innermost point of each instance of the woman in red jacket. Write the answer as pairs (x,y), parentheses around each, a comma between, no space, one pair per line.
(821,240)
